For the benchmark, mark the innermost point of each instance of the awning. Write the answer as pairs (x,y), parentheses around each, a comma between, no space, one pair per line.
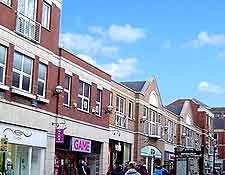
(151,151)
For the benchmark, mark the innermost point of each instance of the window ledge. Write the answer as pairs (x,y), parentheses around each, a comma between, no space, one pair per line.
(23,93)
(42,99)
(81,110)
(4,87)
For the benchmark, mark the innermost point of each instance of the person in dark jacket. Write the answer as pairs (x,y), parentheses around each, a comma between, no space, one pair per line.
(81,168)
(117,170)
(132,170)
(158,169)
(143,170)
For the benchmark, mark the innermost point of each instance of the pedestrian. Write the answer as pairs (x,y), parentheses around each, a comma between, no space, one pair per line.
(132,170)
(158,169)
(86,168)
(143,170)
(117,170)
(81,168)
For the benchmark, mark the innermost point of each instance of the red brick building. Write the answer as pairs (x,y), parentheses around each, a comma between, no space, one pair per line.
(197,126)
(219,135)
(44,87)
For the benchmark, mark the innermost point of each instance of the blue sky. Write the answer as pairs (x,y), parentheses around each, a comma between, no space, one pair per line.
(181,43)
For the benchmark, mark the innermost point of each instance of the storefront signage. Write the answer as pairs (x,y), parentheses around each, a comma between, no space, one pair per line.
(151,151)
(81,145)
(171,157)
(18,133)
(23,136)
(59,135)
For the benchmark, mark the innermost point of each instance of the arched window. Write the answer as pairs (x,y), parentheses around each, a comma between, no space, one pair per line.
(153,99)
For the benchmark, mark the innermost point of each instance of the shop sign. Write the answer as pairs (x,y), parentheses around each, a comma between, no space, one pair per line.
(23,136)
(118,147)
(151,151)
(59,135)
(171,157)
(81,145)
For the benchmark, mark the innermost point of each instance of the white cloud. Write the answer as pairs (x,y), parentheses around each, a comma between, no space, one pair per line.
(205,86)
(203,38)
(119,69)
(96,30)
(87,44)
(87,59)
(122,68)
(166,44)
(125,33)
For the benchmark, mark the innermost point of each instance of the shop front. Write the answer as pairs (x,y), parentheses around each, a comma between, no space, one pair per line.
(69,155)
(22,150)
(119,152)
(169,161)
(149,153)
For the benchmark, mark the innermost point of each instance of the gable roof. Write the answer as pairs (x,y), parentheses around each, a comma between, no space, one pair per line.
(201,103)
(135,85)
(176,109)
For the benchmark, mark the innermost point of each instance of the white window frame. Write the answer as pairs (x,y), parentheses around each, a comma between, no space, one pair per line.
(43,81)
(83,97)
(68,91)
(6,2)
(49,15)
(122,111)
(130,111)
(4,65)
(21,73)
(99,103)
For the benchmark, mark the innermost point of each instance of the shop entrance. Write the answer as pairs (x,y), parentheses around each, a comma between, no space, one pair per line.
(67,161)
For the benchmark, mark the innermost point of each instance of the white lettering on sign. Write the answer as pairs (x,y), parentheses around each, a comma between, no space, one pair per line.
(81,145)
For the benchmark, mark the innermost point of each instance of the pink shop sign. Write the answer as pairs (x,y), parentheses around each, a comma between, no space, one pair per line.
(81,145)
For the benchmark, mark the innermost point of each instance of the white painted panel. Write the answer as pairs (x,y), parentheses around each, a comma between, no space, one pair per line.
(23,136)
(121,135)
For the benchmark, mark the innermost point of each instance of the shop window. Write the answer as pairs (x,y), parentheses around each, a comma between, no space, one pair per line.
(22,72)
(19,159)
(98,102)
(46,15)
(42,72)
(130,110)
(67,90)
(83,97)
(3,54)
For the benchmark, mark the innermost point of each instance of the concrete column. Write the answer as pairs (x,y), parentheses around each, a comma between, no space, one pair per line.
(42,160)
(50,155)
(29,160)
(104,157)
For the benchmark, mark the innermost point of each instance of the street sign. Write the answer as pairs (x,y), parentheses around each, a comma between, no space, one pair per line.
(59,135)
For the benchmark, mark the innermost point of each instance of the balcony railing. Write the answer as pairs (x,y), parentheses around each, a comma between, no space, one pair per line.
(28,27)
(151,129)
(121,120)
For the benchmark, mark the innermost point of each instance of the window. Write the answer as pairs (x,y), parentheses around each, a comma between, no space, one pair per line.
(46,15)
(130,110)
(83,96)
(121,117)
(98,102)
(120,104)
(6,2)
(145,113)
(3,52)
(22,72)
(67,84)
(170,131)
(42,72)
(27,8)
